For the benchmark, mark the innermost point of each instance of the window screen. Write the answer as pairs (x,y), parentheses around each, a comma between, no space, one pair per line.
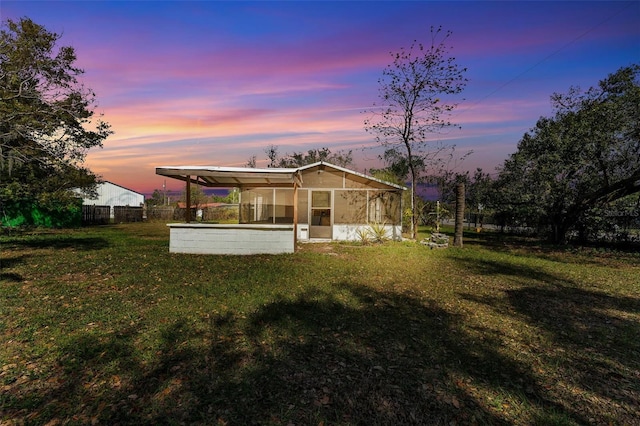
(350,206)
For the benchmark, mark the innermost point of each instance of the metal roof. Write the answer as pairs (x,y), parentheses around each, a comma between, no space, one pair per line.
(226,177)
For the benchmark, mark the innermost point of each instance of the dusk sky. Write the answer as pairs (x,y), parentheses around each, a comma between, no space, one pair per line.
(213,83)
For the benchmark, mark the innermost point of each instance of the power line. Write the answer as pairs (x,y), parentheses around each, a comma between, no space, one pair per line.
(502,86)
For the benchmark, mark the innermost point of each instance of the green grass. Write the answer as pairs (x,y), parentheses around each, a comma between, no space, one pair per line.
(103,325)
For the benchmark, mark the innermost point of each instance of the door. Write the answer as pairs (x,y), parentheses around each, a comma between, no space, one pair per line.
(320,215)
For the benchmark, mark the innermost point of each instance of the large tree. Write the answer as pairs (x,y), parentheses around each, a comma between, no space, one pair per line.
(47,122)
(586,156)
(415,93)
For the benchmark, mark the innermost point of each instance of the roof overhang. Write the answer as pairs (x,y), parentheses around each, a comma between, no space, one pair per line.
(242,177)
(228,177)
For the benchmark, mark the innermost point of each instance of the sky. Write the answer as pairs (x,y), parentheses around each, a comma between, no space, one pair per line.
(214,83)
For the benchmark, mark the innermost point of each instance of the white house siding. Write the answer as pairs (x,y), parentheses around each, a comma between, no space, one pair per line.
(110,194)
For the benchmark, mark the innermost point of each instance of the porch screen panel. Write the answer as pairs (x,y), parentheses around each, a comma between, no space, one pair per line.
(256,206)
(393,206)
(350,207)
(384,207)
(283,208)
(303,206)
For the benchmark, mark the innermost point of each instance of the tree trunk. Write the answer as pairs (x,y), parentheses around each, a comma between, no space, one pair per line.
(457,239)
(414,216)
(414,179)
(560,227)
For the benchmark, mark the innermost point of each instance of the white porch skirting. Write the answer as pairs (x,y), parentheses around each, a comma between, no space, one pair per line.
(205,238)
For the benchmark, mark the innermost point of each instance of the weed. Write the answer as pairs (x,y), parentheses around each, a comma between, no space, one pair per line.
(363,235)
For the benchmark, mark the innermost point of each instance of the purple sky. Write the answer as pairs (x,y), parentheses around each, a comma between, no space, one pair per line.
(213,83)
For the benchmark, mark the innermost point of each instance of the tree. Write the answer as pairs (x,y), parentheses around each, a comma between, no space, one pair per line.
(46,115)
(480,196)
(299,159)
(197,196)
(272,155)
(584,157)
(413,109)
(397,165)
(158,198)
(446,183)
(232,197)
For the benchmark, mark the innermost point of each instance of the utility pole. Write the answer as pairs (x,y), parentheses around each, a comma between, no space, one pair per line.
(164,193)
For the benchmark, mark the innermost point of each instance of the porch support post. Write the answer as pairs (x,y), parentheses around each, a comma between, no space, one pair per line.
(295,215)
(187,210)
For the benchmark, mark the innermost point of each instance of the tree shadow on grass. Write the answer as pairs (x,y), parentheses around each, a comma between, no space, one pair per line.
(8,262)
(517,272)
(524,246)
(501,241)
(595,348)
(383,358)
(10,277)
(56,241)
(393,361)
(598,332)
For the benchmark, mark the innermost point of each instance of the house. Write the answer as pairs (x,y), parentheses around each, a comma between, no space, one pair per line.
(279,206)
(113,195)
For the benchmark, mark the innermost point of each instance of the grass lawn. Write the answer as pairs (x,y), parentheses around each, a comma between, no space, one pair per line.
(103,325)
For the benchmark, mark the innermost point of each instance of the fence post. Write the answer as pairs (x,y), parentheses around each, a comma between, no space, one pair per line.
(459,227)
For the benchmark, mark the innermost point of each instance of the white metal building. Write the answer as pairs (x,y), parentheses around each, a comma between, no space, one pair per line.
(110,194)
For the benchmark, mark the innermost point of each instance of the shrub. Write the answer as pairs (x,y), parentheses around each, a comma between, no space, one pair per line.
(378,232)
